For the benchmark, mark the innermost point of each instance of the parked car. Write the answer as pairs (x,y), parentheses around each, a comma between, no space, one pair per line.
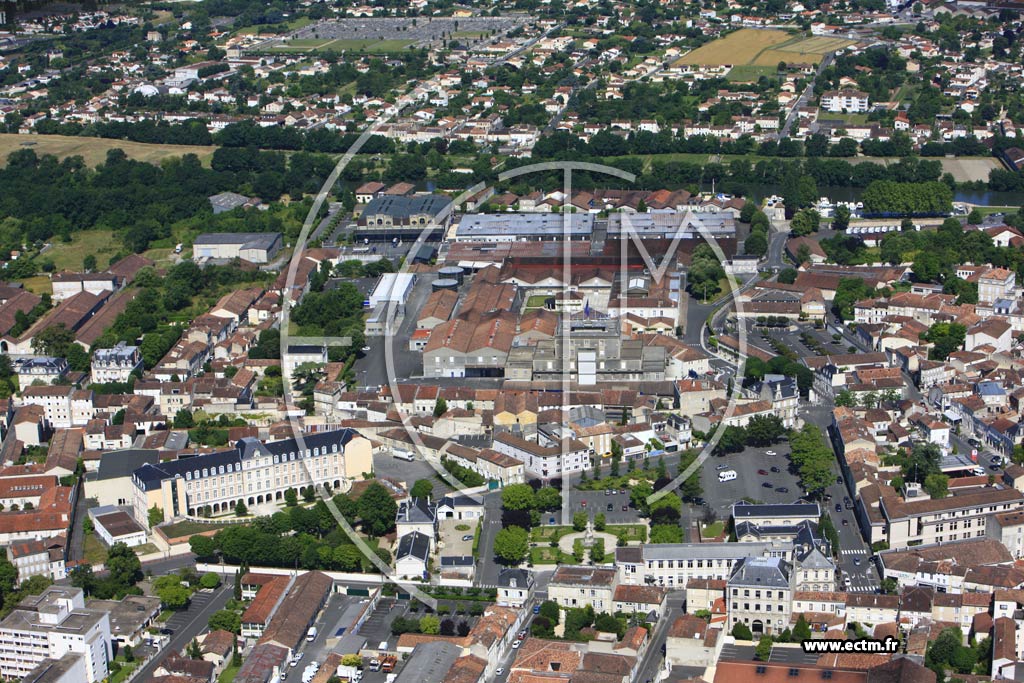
(846,522)
(625,508)
(610,507)
(762,472)
(770,453)
(839,508)
(775,469)
(516,644)
(767,484)
(467,537)
(721,467)
(782,489)
(583,503)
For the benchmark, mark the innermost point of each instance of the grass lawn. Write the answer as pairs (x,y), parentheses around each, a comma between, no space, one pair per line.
(164,615)
(69,255)
(536,301)
(713,530)
(547,555)
(853,119)
(123,673)
(94,550)
(986,210)
(372,46)
(94,150)
(546,534)
(38,284)
(145,549)
(189,528)
(228,674)
(745,73)
(634,532)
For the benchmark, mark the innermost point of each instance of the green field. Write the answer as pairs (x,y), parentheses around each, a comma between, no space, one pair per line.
(94,550)
(713,530)
(69,255)
(188,527)
(548,555)
(94,150)
(540,534)
(746,73)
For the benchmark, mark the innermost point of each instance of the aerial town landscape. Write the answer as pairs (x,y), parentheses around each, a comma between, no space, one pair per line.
(525,341)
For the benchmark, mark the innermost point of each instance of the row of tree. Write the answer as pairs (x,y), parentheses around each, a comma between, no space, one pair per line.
(307,537)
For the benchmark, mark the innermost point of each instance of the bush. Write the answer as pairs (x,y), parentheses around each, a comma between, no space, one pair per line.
(741,632)
(209,580)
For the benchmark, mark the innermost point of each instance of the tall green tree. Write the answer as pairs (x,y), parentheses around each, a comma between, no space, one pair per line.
(377,510)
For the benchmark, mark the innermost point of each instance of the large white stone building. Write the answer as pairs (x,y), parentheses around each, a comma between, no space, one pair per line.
(116,364)
(251,472)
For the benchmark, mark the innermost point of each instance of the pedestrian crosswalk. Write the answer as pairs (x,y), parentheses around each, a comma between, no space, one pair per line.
(860,589)
(854,551)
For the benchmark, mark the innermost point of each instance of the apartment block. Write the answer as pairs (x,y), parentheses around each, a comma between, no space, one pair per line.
(50,626)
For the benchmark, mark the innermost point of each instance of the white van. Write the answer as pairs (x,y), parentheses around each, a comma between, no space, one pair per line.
(403,455)
(311,636)
(727,475)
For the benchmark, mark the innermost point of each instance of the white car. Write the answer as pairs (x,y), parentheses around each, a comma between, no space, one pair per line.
(846,581)
(498,673)
(516,644)
(770,453)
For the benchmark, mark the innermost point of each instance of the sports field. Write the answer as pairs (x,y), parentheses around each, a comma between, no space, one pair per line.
(755,47)
(304,45)
(94,150)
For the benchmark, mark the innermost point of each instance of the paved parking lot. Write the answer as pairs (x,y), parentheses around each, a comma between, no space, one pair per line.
(749,483)
(411,29)
(182,618)
(327,625)
(452,538)
(377,628)
(386,465)
(598,501)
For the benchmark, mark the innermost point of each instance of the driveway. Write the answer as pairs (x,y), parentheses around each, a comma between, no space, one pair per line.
(189,623)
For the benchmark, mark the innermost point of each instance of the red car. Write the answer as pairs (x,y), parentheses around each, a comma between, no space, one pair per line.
(762,471)
(583,504)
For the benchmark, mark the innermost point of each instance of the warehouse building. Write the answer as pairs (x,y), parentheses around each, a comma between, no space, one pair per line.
(255,247)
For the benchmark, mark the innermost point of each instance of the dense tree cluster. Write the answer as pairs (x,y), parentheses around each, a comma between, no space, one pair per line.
(309,537)
(123,571)
(761,430)
(946,338)
(813,458)
(890,198)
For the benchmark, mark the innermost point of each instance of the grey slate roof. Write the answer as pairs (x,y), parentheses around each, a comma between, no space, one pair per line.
(761,572)
(743,509)
(413,545)
(150,475)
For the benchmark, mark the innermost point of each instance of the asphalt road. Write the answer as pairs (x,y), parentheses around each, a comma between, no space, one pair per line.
(488,568)
(652,660)
(189,623)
